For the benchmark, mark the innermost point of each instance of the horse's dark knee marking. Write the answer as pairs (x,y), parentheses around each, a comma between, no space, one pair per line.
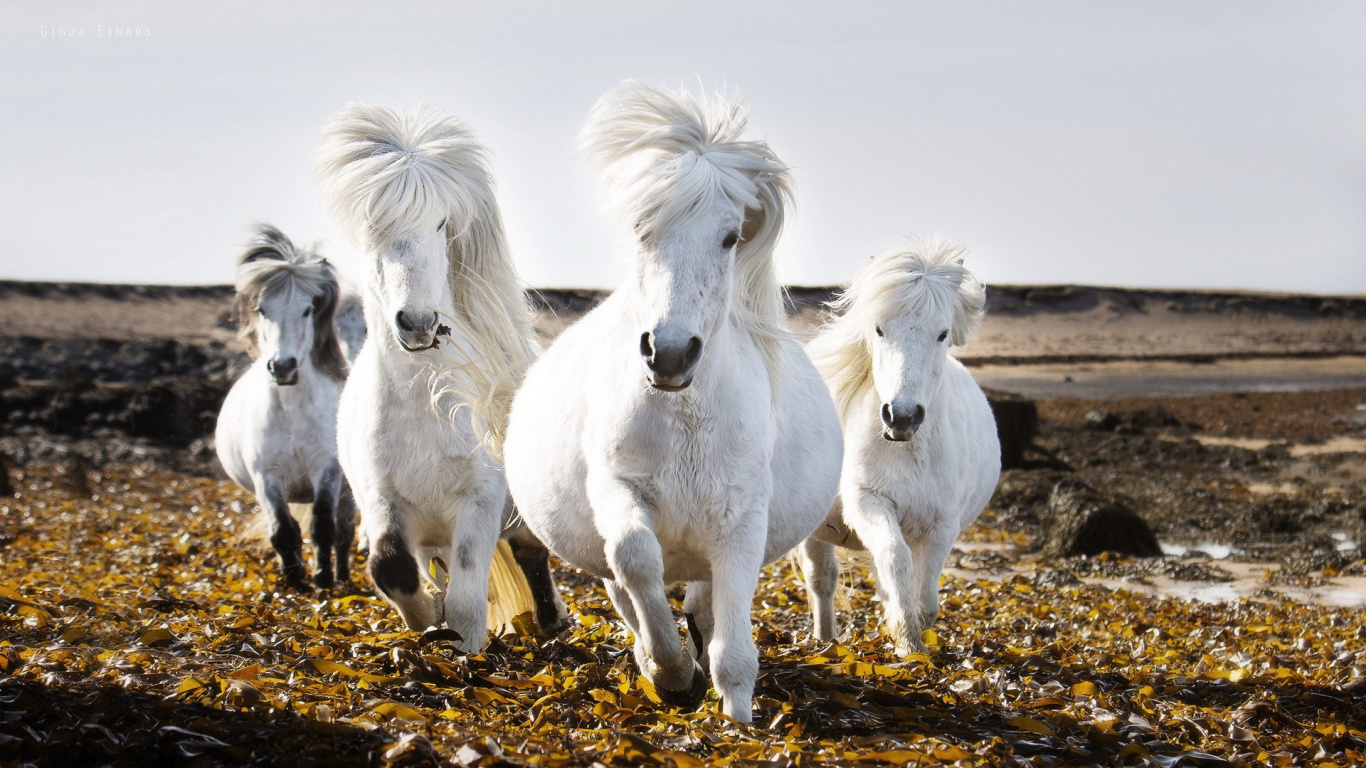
(392,566)
(463,557)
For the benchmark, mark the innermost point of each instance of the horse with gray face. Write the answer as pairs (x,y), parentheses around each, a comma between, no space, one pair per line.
(276,433)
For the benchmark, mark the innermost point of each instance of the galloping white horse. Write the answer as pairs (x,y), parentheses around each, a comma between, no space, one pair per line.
(276,434)
(449,330)
(676,432)
(922,457)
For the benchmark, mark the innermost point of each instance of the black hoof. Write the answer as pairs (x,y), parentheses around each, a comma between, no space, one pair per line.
(554,627)
(323,581)
(691,698)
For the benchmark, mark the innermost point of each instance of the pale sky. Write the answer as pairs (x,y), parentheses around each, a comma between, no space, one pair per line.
(1182,144)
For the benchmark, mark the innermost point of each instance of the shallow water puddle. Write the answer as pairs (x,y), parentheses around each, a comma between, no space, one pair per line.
(1215,551)
(1339,444)
(1250,580)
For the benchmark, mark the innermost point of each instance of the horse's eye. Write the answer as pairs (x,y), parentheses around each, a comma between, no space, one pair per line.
(943,335)
(441,226)
(309,311)
(731,239)
(878,328)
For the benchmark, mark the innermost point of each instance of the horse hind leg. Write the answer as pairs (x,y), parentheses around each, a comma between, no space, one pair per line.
(395,573)
(820,571)
(323,531)
(697,610)
(552,615)
(285,536)
(346,533)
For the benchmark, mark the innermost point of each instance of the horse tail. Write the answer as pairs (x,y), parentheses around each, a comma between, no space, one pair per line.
(512,609)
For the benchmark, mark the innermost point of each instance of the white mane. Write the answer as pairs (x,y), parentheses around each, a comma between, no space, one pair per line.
(389,173)
(666,156)
(920,278)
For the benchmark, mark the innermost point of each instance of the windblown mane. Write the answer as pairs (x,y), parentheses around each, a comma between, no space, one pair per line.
(387,173)
(271,263)
(667,156)
(919,278)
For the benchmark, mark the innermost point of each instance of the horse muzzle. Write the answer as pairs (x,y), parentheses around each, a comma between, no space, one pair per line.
(284,372)
(671,365)
(416,331)
(901,424)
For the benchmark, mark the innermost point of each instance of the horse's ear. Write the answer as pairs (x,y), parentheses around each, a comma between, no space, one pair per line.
(764,223)
(262,252)
(754,221)
(244,316)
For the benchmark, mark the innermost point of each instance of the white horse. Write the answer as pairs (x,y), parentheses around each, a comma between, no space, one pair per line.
(449,329)
(276,434)
(676,432)
(922,457)
(350,322)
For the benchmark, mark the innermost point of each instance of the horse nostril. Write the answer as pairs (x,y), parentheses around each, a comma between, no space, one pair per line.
(918,416)
(647,349)
(403,322)
(887,417)
(693,351)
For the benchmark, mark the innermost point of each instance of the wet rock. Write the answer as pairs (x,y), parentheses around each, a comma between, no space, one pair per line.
(1017,421)
(1101,421)
(1080,520)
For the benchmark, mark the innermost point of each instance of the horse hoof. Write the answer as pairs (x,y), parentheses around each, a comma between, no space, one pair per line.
(691,698)
(322,582)
(555,627)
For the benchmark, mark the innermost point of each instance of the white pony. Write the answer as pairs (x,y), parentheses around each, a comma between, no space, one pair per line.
(676,432)
(922,455)
(276,434)
(350,322)
(449,327)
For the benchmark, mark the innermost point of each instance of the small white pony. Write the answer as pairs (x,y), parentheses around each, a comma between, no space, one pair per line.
(922,457)
(449,327)
(676,432)
(276,434)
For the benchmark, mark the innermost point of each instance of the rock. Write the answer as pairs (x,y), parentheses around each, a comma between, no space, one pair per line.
(1017,421)
(1080,520)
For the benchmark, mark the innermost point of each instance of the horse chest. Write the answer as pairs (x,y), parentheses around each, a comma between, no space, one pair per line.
(691,463)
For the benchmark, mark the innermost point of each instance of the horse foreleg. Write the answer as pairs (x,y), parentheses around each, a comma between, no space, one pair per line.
(468,558)
(285,536)
(552,615)
(930,553)
(880,531)
(820,571)
(734,659)
(637,563)
(394,569)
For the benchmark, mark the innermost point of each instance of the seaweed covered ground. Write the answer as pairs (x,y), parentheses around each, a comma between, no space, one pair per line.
(137,628)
